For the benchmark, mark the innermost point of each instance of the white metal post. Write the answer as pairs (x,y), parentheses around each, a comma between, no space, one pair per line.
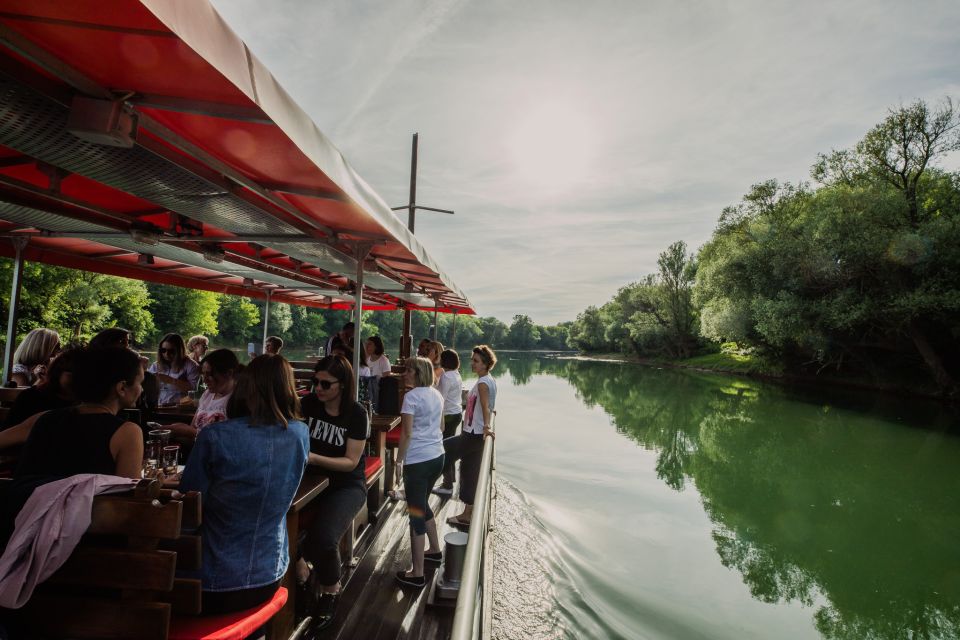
(14,310)
(266,323)
(361,254)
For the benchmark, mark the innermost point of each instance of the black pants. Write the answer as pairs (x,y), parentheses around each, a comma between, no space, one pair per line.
(215,602)
(418,479)
(468,449)
(450,424)
(336,509)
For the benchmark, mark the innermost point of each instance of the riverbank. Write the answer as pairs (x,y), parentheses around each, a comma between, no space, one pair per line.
(756,367)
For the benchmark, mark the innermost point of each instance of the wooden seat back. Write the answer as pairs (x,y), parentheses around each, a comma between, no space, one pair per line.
(8,395)
(119,582)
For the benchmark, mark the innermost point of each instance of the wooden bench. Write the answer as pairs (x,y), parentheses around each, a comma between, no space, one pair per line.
(120,581)
(8,395)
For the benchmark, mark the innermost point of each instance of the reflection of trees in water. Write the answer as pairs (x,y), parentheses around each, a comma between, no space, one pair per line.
(521,367)
(810,504)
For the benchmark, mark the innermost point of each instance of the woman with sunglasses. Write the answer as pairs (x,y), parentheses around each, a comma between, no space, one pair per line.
(420,456)
(338,433)
(175,372)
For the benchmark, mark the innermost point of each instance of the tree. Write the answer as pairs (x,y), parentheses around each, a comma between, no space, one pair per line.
(494,332)
(184,311)
(238,319)
(523,333)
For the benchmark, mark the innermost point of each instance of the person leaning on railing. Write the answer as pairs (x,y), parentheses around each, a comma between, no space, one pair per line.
(338,433)
(468,445)
(248,468)
(420,456)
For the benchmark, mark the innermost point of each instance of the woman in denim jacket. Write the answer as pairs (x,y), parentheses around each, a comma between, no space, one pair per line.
(248,468)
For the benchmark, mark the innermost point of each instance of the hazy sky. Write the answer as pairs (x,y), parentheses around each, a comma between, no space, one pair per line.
(576,140)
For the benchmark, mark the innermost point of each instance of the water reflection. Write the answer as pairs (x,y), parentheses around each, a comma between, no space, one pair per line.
(846,512)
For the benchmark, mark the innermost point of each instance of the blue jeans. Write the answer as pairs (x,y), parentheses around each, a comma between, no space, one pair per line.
(418,479)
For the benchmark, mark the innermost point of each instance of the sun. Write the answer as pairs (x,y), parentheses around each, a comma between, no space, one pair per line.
(552,145)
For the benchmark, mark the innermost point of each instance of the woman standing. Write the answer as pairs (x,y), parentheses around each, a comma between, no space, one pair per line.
(433,354)
(420,456)
(468,446)
(176,372)
(248,469)
(449,386)
(31,358)
(338,433)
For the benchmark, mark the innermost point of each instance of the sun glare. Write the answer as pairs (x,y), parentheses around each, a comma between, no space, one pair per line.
(552,146)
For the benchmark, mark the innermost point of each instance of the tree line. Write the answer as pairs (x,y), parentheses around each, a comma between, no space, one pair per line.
(78,304)
(856,272)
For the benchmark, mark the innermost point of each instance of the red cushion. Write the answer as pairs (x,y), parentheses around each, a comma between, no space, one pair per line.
(228,626)
(373,465)
(393,437)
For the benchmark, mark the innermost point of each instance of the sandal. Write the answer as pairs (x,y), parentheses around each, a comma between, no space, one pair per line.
(457,522)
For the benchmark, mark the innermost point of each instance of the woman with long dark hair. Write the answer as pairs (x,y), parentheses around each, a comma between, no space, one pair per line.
(176,372)
(56,392)
(338,433)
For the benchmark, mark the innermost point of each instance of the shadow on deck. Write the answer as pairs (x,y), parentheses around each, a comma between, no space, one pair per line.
(372,605)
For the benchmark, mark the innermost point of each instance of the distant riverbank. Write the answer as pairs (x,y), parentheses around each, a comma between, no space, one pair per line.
(756,367)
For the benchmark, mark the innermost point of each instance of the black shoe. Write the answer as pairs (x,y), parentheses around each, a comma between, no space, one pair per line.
(325,610)
(306,599)
(436,556)
(417,582)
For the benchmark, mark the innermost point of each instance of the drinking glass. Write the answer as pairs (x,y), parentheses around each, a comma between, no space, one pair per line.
(171,456)
(163,435)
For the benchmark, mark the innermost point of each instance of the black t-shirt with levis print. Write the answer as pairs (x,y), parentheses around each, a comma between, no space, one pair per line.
(329,435)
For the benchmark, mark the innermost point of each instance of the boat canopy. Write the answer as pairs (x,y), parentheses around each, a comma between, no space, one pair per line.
(142,138)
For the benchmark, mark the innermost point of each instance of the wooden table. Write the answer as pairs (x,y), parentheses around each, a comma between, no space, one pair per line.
(311,486)
(182,412)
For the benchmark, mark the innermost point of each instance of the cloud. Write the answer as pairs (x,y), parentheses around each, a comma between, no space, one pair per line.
(689,104)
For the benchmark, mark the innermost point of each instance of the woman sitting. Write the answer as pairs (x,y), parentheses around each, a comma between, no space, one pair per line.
(176,372)
(338,433)
(88,438)
(219,370)
(248,468)
(56,392)
(420,456)
(468,445)
(31,358)
(197,348)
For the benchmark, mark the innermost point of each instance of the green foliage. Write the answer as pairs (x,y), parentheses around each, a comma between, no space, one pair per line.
(184,311)
(238,320)
(523,334)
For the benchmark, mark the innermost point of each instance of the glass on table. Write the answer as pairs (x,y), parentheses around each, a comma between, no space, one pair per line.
(161,435)
(171,458)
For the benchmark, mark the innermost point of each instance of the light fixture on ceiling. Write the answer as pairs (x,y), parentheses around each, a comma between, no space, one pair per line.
(142,236)
(107,122)
(145,259)
(213,253)
(248,282)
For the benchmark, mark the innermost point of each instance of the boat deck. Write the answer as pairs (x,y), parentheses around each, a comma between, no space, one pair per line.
(372,605)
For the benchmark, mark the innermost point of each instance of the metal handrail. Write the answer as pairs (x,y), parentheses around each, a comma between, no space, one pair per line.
(466,618)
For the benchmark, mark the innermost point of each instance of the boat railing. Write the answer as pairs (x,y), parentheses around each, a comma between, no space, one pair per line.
(474,611)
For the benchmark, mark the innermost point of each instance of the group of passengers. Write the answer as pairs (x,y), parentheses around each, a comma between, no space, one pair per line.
(254,438)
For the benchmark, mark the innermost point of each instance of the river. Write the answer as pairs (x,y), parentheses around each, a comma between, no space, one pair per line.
(636,502)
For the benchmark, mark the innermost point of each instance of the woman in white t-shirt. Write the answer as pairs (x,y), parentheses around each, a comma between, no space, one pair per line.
(421,458)
(449,385)
(378,362)
(219,370)
(468,445)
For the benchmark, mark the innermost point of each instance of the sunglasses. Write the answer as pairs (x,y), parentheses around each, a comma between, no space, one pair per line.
(325,384)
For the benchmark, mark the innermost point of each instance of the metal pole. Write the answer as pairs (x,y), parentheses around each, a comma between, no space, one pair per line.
(266,322)
(453,334)
(14,310)
(406,340)
(362,252)
(436,311)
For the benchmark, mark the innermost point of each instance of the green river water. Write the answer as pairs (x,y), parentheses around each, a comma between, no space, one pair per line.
(637,502)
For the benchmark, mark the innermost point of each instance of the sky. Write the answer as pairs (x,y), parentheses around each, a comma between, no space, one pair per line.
(577,140)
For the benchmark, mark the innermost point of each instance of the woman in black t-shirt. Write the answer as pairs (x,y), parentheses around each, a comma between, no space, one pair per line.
(338,433)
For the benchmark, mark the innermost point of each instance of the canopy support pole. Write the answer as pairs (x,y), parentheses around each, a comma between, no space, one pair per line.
(453,334)
(361,253)
(13,312)
(406,340)
(436,324)
(266,322)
